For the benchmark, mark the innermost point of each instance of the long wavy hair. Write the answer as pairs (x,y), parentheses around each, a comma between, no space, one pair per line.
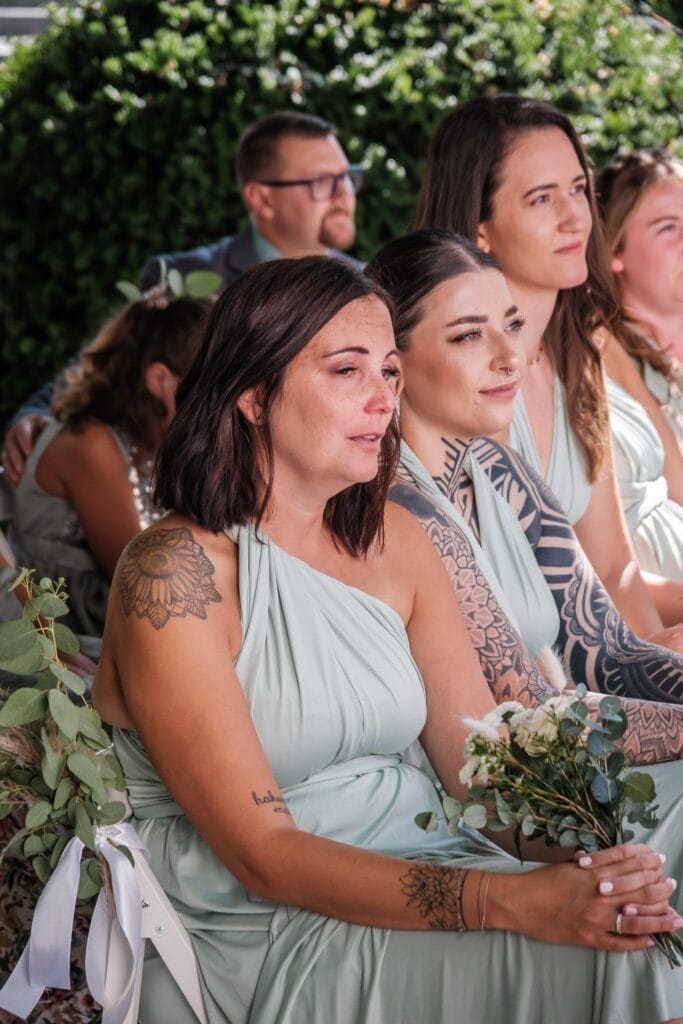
(214,465)
(107,383)
(462,175)
(620,188)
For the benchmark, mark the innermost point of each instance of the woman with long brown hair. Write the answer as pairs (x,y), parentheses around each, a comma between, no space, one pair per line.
(510,174)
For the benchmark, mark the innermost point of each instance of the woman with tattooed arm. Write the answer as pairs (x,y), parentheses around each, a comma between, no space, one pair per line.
(514,560)
(270,647)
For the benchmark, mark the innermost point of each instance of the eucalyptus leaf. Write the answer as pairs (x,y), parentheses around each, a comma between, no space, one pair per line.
(200,284)
(580,690)
(66,639)
(85,767)
(72,681)
(175,281)
(64,713)
(38,814)
(131,859)
(474,815)
(52,764)
(610,709)
(87,886)
(84,827)
(615,763)
(45,680)
(640,786)
(50,606)
(603,789)
(15,841)
(528,825)
(16,638)
(58,848)
(49,841)
(598,744)
(33,845)
(568,838)
(23,706)
(130,291)
(111,813)
(25,664)
(452,808)
(90,725)
(452,826)
(5,809)
(41,866)
(427,821)
(62,793)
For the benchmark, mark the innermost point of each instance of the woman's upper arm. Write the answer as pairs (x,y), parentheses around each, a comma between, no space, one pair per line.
(171,634)
(96,483)
(454,682)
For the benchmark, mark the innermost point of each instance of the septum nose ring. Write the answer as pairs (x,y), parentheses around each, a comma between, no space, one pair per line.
(509,371)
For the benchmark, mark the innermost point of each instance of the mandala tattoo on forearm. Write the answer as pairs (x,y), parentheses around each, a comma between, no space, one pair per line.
(436,893)
(165,575)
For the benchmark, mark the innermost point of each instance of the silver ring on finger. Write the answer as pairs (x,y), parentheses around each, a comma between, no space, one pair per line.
(617,927)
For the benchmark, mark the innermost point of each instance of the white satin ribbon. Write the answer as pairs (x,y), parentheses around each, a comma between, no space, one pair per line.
(115,927)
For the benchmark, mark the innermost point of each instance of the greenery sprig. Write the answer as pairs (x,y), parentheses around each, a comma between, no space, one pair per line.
(56,759)
(557,774)
(197,284)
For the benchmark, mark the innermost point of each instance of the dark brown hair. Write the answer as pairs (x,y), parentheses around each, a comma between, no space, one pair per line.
(257,149)
(461,178)
(107,383)
(210,466)
(411,267)
(620,186)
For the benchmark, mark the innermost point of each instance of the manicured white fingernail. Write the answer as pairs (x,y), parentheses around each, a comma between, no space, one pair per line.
(606,887)
(674,884)
(662,857)
(585,861)
(630,911)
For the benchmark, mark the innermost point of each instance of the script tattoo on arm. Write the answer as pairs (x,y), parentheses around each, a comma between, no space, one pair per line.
(436,893)
(165,574)
(277,803)
(505,661)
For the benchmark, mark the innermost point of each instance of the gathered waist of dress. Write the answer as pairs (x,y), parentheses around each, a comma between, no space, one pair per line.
(150,799)
(640,497)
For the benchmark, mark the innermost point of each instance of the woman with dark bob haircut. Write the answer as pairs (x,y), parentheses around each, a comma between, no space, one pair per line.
(509,173)
(271,648)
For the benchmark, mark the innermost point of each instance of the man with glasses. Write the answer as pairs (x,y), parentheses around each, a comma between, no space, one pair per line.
(299,190)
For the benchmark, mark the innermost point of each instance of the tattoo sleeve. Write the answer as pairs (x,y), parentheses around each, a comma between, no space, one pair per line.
(596,645)
(165,574)
(505,661)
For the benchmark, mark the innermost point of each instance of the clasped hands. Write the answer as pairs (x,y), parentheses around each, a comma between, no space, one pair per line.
(613,900)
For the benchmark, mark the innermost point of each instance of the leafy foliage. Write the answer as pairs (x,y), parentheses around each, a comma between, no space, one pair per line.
(56,759)
(119,125)
(559,775)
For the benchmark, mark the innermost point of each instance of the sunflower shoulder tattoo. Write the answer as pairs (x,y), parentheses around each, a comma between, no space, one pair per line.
(165,575)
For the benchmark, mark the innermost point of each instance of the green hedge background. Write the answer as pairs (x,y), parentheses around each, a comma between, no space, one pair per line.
(118,126)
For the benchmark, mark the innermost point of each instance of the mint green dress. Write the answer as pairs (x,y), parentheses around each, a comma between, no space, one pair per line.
(502,552)
(335,696)
(567,471)
(654,520)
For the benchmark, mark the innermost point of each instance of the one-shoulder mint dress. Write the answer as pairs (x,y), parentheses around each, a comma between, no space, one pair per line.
(567,472)
(335,697)
(654,520)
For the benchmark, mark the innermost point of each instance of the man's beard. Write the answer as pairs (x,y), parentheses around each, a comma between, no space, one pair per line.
(337,230)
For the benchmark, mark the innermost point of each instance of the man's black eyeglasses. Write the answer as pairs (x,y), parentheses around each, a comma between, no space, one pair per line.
(325,185)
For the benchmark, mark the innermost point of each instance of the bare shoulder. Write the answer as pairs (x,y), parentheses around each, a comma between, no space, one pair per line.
(406,545)
(175,569)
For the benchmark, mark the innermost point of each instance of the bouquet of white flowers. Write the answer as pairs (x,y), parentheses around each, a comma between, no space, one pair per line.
(557,774)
